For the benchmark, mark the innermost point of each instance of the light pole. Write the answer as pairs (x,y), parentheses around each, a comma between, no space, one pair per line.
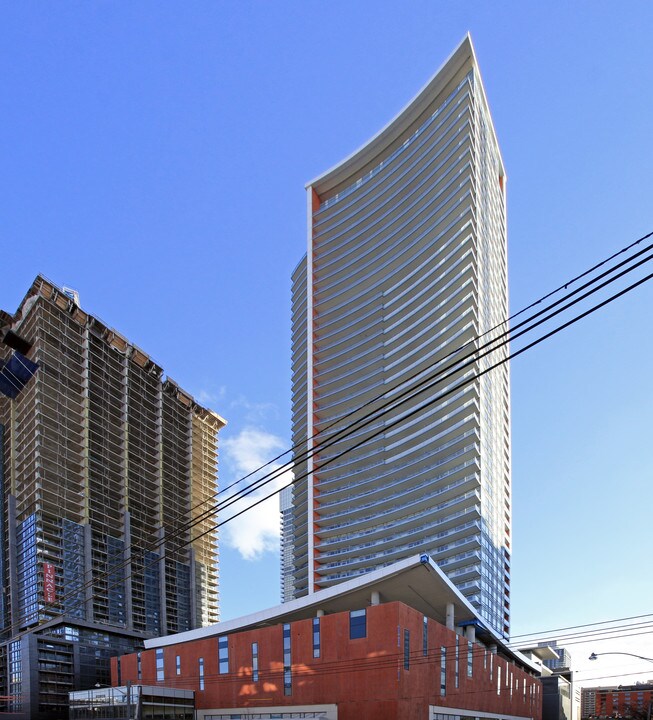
(595,656)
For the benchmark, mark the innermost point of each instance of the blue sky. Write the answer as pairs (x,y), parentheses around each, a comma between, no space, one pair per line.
(154,158)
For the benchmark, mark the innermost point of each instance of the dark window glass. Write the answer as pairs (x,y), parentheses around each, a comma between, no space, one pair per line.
(357,624)
(316,637)
(223,654)
(406,649)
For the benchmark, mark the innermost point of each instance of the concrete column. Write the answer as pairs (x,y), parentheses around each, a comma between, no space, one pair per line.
(470,633)
(375,598)
(450,618)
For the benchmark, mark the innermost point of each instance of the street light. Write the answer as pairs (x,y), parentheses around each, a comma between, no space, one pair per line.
(595,656)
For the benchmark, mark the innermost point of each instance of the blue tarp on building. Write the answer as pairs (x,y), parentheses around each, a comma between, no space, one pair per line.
(15,373)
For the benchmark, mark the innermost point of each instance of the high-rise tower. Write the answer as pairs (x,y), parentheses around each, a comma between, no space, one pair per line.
(105,467)
(406,263)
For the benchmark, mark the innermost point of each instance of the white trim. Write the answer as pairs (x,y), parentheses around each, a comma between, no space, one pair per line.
(322,712)
(458,712)
(310,430)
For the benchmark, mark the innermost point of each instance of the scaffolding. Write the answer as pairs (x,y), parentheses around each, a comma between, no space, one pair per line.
(105,465)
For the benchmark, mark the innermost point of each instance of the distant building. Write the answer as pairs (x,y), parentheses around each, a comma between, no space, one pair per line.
(562,662)
(406,266)
(398,643)
(104,465)
(622,701)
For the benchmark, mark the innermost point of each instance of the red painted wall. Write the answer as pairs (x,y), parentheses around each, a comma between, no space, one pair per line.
(365,677)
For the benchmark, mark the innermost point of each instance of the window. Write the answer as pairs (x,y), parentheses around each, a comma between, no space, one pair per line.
(425,637)
(456,668)
(443,671)
(178,664)
(200,668)
(255,662)
(470,659)
(139,667)
(223,655)
(406,649)
(316,637)
(287,661)
(119,671)
(498,681)
(160,671)
(357,624)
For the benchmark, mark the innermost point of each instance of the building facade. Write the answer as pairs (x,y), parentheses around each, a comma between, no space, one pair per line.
(623,701)
(398,644)
(105,469)
(401,432)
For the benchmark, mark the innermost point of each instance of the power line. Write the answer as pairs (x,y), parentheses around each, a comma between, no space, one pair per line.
(408,394)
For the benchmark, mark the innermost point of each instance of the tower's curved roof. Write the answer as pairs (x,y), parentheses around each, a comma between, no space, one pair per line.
(402,126)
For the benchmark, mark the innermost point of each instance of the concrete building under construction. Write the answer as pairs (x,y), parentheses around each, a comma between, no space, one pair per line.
(106,469)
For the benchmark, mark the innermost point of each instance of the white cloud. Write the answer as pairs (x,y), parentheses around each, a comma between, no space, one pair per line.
(256,531)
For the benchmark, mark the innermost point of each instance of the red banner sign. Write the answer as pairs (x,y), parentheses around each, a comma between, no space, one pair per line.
(49,587)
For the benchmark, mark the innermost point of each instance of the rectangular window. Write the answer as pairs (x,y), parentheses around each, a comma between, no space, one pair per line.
(357,624)
(406,649)
(470,659)
(443,671)
(178,664)
(316,637)
(498,681)
(456,667)
(255,662)
(200,668)
(223,655)
(287,661)
(160,671)
(425,637)
(139,667)
(118,671)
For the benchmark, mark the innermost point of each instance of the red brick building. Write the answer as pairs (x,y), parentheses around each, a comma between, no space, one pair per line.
(399,644)
(624,701)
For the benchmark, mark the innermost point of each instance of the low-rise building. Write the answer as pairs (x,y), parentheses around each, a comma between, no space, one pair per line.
(400,643)
(622,701)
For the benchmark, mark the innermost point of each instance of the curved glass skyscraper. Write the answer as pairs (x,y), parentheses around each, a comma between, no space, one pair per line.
(406,264)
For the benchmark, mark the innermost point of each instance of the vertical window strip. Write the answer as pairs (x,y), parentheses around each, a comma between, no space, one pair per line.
(139,666)
(470,659)
(223,655)
(200,662)
(406,649)
(357,624)
(178,664)
(160,669)
(316,637)
(425,637)
(255,662)
(456,675)
(287,661)
(443,671)
(498,681)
